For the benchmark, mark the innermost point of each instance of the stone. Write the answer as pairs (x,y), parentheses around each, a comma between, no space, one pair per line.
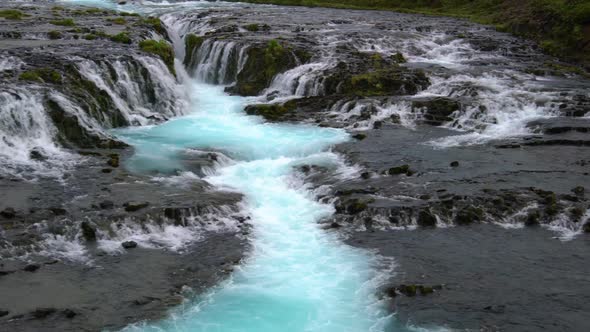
(359,137)
(135,206)
(455,164)
(579,190)
(69,313)
(32,267)
(106,205)
(41,313)
(468,215)
(426,218)
(88,231)
(8,213)
(129,244)
(4,312)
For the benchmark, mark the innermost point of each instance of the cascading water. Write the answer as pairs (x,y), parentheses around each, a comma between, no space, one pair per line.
(298,278)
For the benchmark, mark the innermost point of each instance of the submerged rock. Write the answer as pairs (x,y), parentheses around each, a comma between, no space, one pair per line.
(135,206)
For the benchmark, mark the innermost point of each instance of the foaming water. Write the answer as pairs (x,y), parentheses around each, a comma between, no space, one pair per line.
(298,277)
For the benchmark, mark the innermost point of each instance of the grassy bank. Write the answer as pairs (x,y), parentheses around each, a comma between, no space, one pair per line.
(561,27)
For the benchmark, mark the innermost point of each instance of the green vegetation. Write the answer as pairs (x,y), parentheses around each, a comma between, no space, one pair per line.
(66,22)
(129,14)
(252,27)
(272,112)
(561,27)
(90,36)
(12,14)
(191,43)
(118,20)
(155,23)
(42,75)
(162,49)
(54,34)
(122,37)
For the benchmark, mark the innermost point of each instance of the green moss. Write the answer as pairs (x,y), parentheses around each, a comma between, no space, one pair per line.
(12,14)
(122,37)
(118,20)
(192,43)
(54,34)
(90,36)
(155,23)
(160,48)
(66,22)
(42,75)
(252,27)
(129,14)
(272,112)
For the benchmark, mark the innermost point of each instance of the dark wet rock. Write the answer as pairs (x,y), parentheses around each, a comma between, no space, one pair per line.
(58,211)
(532,218)
(496,309)
(37,155)
(410,290)
(359,137)
(106,205)
(579,190)
(8,213)
(454,164)
(469,215)
(41,313)
(88,231)
(403,169)
(113,160)
(586,227)
(436,111)
(135,206)
(352,206)
(32,267)
(426,219)
(129,244)
(69,313)
(272,112)
(4,312)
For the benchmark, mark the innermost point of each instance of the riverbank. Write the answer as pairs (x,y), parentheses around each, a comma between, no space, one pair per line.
(561,28)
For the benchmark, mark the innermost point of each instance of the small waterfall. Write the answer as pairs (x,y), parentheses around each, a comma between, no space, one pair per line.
(27,145)
(219,62)
(143,90)
(302,81)
(10,63)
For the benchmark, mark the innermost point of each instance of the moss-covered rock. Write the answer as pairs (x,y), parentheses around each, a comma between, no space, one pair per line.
(162,49)
(403,169)
(272,112)
(426,218)
(12,14)
(192,43)
(41,75)
(262,65)
(469,215)
(54,34)
(122,37)
(436,111)
(66,22)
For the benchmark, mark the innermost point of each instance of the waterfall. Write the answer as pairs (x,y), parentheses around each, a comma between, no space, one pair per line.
(219,62)
(302,81)
(28,146)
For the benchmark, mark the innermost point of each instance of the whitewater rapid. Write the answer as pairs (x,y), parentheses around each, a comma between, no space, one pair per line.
(298,277)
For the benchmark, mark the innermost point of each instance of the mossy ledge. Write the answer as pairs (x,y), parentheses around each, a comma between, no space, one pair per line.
(560,27)
(162,49)
(271,112)
(192,43)
(263,64)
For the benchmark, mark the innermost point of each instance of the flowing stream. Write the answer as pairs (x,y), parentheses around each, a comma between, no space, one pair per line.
(298,276)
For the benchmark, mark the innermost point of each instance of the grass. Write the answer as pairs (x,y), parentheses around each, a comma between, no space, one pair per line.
(12,14)
(118,20)
(66,22)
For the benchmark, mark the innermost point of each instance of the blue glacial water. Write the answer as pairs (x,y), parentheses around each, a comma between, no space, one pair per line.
(298,277)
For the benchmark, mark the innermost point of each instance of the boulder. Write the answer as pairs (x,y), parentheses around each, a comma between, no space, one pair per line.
(436,110)
(426,218)
(129,244)
(135,206)
(88,231)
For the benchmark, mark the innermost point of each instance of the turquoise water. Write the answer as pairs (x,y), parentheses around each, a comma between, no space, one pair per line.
(298,277)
